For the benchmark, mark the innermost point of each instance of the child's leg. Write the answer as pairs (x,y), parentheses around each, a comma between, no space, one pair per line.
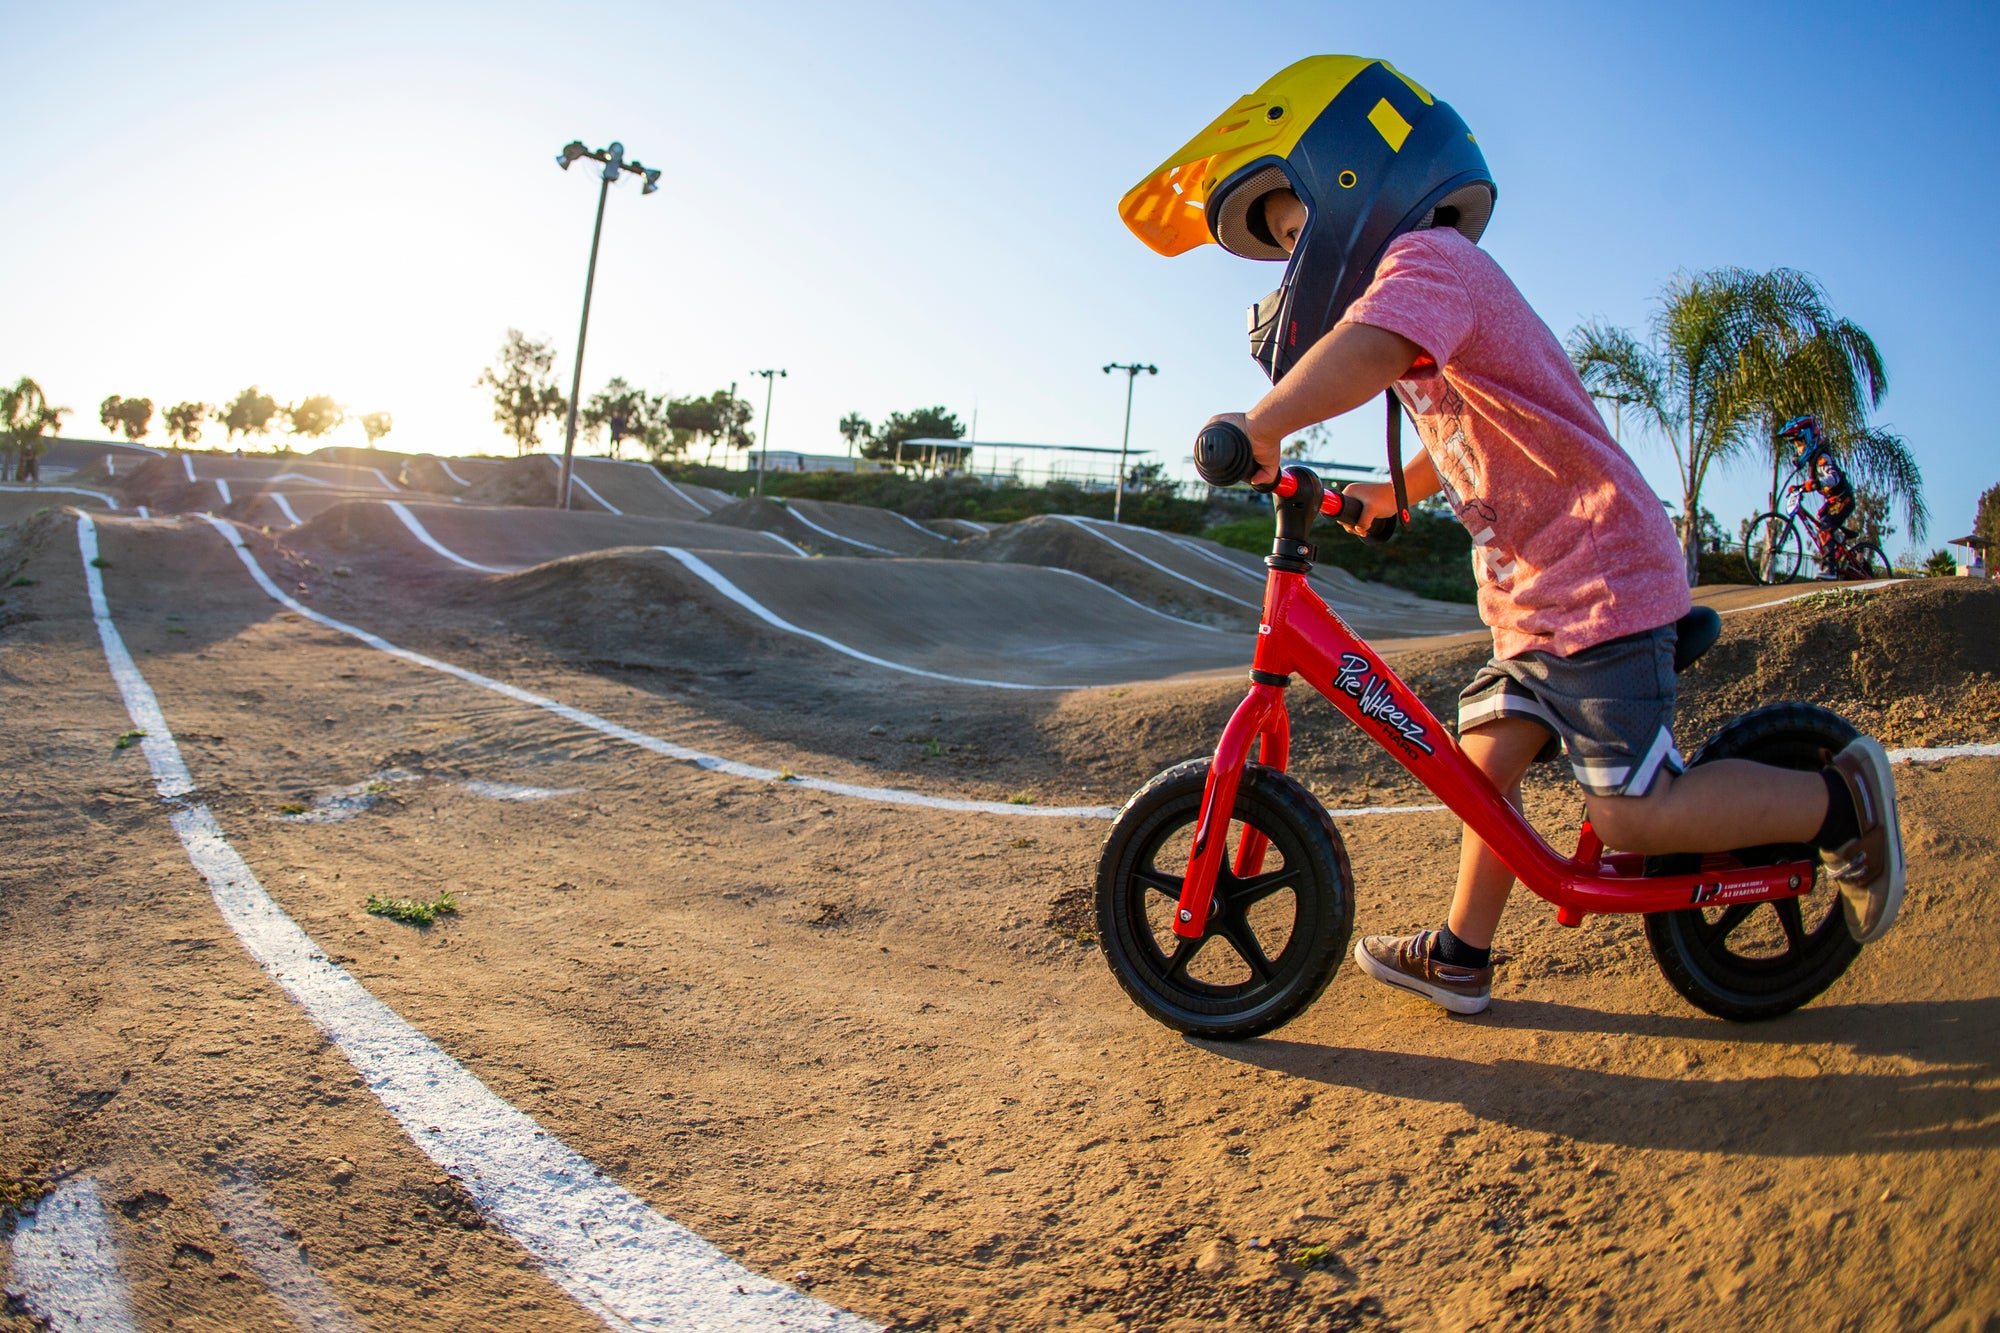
(1502,749)
(1713,808)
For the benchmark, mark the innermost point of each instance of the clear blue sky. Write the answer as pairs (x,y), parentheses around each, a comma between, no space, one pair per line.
(906,204)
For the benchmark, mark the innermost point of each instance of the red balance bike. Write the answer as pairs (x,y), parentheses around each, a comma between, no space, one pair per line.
(1224,897)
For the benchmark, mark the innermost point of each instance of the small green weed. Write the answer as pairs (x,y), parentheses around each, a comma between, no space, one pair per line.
(1838,599)
(126,738)
(1021,798)
(175,629)
(1082,935)
(414,911)
(376,788)
(17,1192)
(786,775)
(99,562)
(21,581)
(935,747)
(292,808)
(1312,1256)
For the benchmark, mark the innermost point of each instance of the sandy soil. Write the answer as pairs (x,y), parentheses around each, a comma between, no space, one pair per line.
(845,1042)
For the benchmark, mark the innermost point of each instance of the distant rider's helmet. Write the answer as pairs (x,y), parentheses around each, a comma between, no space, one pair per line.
(1803,432)
(1369,153)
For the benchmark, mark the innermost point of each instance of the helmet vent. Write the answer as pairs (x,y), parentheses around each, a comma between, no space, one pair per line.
(1229,216)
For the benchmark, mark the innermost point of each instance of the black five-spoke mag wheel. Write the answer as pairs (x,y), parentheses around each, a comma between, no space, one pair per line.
(1274,938)
(1749,961)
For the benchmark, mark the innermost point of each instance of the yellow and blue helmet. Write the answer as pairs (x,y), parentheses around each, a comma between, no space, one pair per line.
(1369,153)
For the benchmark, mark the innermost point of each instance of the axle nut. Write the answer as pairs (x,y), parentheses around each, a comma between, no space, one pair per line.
(1795,881)
(1186,915)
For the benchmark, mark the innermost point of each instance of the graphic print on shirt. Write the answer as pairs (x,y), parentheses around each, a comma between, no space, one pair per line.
(1440,421)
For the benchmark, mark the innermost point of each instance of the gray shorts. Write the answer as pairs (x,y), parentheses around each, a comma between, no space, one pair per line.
(1611,706)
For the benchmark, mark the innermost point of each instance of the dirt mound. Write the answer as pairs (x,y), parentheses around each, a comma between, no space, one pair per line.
(762,514)
(638,609)
(518,481)
(1043,540)
(347,455)
(425,473)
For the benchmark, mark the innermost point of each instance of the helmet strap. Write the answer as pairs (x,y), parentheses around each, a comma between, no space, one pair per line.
(1395,431)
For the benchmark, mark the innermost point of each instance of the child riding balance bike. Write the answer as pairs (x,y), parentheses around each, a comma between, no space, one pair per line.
(1224,896)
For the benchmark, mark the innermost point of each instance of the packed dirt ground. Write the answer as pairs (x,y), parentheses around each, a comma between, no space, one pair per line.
(870,1050)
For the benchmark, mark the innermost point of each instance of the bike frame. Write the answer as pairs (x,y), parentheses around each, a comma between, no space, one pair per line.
(1302,636)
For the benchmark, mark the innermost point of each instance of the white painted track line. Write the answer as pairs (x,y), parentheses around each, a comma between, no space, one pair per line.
(662,479)
(223,487)
(591,491)
(934,536)
(1170,573)
(602,1244)
(109,501)
(866,546)
(791,546)
(1150,610)
(707,573)
(1931,754)
(445,463)
(285,508)
(423,534)
(187,466)
(386,483)
(300,476)
(666,749)
(1812,592)
(259,1236)
(66,1263)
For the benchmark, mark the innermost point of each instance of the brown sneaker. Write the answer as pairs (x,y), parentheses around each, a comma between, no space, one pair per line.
(1868,871)
(1405,961)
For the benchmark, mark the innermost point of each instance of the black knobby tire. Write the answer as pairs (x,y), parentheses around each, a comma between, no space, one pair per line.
(1773,548)
(1273,940)
(1753,961)
(1866,561)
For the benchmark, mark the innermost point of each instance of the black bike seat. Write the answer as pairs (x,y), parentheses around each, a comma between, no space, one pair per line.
(1694,634)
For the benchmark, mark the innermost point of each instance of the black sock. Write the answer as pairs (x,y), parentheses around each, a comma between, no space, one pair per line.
(1450,949)
(1842,825)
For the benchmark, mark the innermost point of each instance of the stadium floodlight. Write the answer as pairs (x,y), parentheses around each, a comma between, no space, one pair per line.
(615,165)
(1124,444)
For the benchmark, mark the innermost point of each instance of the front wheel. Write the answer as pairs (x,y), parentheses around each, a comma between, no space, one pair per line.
(1750,961)
(1274,936)
(1773,549)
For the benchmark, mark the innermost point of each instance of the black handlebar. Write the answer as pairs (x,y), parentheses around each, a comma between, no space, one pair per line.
(1223,457)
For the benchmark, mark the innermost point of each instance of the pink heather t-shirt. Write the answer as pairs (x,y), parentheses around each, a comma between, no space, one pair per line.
(1571,547)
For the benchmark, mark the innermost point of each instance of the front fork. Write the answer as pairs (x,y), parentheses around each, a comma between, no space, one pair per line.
(1261,716)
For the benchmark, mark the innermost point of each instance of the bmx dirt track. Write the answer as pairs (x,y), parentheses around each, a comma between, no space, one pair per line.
(858,1045)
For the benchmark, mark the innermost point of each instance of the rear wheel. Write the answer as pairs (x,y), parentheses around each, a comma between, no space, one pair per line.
(1773,549)
(1866,561)
(1274,938)
(1749,961)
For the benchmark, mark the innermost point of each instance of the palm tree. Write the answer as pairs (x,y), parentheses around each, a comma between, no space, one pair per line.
(1714,367)
(25,415)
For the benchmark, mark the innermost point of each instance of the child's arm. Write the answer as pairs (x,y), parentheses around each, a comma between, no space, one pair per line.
(1342,371)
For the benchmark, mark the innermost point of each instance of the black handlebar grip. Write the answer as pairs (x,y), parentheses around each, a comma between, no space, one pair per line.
(1222,454)
(1351,509)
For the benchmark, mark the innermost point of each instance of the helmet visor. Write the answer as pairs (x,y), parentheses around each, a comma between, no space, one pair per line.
(1168,209)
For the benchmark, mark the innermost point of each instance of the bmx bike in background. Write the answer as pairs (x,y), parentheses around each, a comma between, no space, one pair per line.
(1225,902)
(1775,545)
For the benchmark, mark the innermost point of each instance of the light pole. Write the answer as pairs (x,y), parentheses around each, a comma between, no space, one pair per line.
(614,162)
(1125,441)
(771,378)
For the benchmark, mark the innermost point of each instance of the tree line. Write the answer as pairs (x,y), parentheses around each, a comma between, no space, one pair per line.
(252,413)
(526,398)
(28,421)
